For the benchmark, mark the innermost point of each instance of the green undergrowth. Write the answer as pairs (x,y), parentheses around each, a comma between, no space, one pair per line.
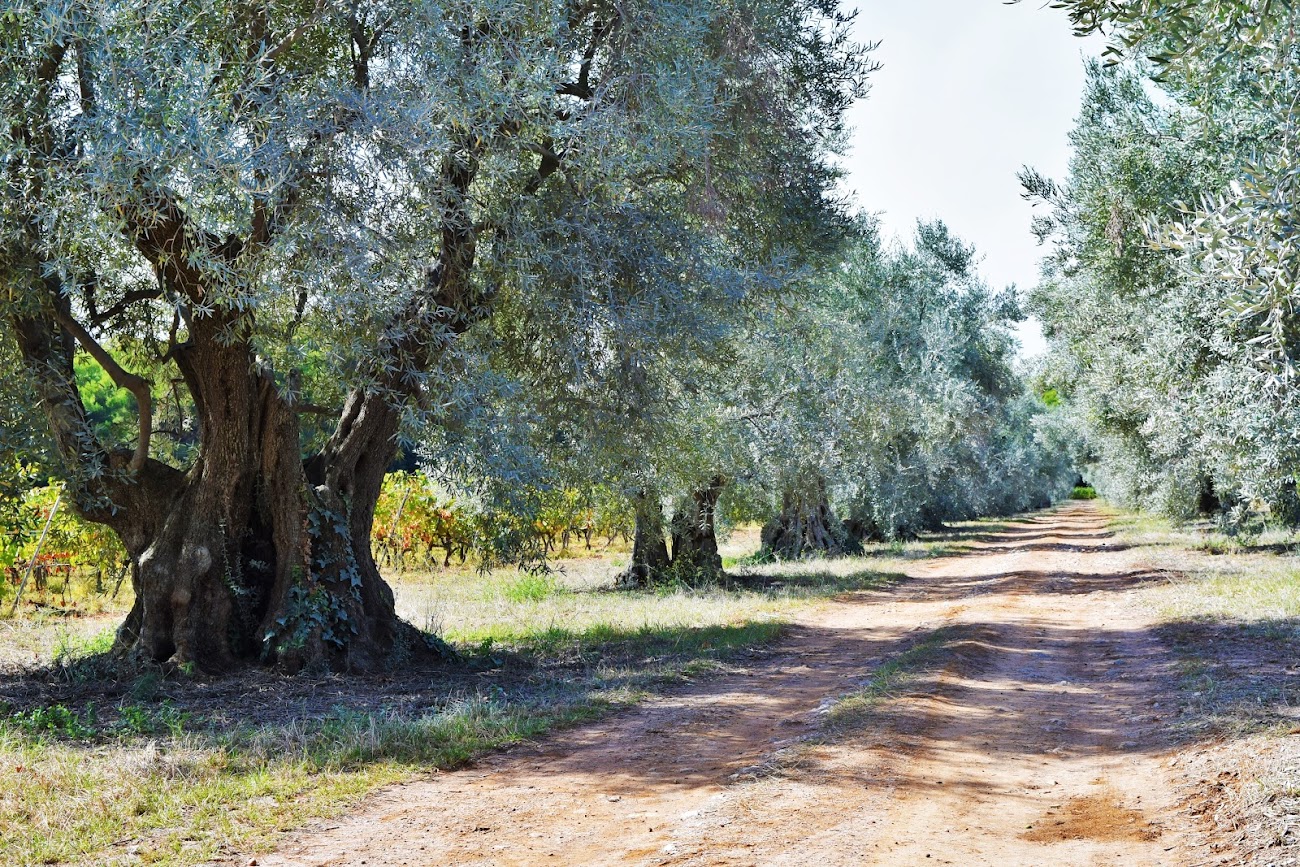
(71,796)
(155,784)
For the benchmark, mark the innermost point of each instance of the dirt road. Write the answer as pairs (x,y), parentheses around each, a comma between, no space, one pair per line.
(1036,738)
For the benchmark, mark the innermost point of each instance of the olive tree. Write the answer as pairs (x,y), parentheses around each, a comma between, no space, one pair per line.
(645,401)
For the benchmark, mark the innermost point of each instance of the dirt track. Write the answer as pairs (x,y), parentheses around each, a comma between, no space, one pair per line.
(1038,739)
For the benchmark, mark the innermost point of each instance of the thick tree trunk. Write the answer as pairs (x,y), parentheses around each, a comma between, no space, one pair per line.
(249,556)
(695,538)
(1207,499)
(806,526)
(649,562)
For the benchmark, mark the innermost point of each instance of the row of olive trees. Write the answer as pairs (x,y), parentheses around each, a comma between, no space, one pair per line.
(893,405)
(548,245)
(1169,294)
(870,396)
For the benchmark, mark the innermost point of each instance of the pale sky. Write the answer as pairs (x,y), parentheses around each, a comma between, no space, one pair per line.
(971,90)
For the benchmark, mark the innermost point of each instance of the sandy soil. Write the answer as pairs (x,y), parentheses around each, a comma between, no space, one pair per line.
(1038,739)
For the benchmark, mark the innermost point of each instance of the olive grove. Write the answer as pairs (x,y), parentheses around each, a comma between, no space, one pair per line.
(255,255)
(298,210)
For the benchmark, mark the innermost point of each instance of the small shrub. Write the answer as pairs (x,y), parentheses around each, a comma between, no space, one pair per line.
(147,686)
(1217,546)
(164,719)
(56,720)
(72,649)
(1083,492)
(761,557)
(529,587)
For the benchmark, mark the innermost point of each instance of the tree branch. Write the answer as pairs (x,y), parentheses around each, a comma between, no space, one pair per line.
(135,297)
(295,34)
(137,385)
(582,88)
(550,165)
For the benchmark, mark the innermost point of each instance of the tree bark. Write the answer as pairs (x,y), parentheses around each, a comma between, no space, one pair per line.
(649,562)
(695,538)
(806,526)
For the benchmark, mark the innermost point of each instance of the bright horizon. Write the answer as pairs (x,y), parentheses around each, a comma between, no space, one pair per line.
(971,91)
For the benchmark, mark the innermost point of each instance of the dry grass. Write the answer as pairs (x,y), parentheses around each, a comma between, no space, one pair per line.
(1231,611)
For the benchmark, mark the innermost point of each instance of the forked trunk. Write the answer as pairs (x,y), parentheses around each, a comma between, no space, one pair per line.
(250,555)
(649,562)
(695,536)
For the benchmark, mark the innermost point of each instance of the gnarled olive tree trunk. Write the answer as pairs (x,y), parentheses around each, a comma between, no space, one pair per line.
(693,529)
(806,525)
(649,562)
(251,553)
(695,536)
(254,553)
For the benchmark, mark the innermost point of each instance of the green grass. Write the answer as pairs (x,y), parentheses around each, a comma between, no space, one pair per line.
(1231,614)
(153,790)
(1213,576)
(529,587)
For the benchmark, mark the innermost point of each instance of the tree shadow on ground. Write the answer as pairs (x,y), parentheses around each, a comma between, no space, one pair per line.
(1053,583)
(1010,547)
(1237,677)
(935,546)
(1009,537)
(813,582)
(102,691)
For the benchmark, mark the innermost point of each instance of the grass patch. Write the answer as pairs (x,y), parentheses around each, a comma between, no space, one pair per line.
(157,785)
(529,587)
(1230,612)
(853,711)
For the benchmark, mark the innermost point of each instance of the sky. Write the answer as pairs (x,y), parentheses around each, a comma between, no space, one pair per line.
(971,91)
